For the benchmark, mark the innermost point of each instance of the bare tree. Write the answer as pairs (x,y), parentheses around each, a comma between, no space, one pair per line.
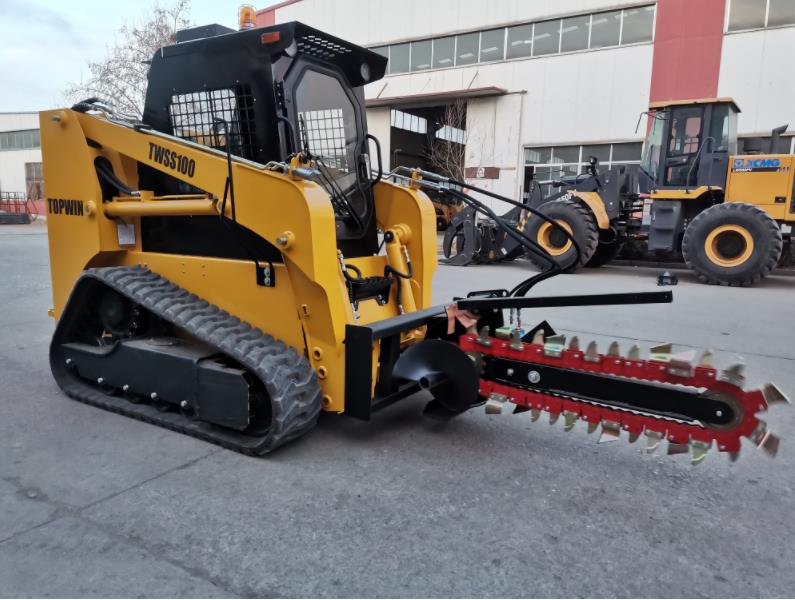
(448,155)
(120,77)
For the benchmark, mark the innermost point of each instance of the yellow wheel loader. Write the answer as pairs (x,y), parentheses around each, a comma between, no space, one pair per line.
(236,262)
(693,196)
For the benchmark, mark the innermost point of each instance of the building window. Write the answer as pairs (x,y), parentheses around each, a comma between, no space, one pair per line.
(781,12)
(546,38)
(20,140)
(399,58)
(574,33)
(747,14)
(443,52)
(492,45)
(606,29)
(550,163)
(34,182)
(638,25)
(520,41)
(467,49)
(569,34)
(408,122)
(755,14)
(761,145)
(421,55)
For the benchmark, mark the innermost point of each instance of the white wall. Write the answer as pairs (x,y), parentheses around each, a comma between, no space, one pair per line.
(12,162)
(378,124)
(12,168)
(757,69)
(19,121)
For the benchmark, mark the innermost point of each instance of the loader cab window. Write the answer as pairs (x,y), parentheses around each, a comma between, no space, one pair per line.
(328,125)
(684,141)
(723,129)
(650,159)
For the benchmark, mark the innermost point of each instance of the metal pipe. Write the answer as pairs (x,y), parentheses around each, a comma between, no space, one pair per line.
(163,208)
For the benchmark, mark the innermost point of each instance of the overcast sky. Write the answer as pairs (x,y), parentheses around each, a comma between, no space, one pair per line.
(47,44)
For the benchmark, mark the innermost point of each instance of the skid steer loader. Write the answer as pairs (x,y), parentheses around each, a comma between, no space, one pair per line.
(233,264)
(728,215)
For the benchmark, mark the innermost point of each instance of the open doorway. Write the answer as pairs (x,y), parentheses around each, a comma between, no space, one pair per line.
(431,138)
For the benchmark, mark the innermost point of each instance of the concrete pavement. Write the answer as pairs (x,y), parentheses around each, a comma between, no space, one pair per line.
(94,504)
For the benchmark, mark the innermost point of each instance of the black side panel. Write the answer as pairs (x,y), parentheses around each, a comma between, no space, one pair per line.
(204,236)
(667,223)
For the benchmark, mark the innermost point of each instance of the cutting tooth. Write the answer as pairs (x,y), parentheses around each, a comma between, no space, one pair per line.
(706,359)
(613,349)
(535,413)
(520,408)
(611,431)
(553,418)
(574,344)
(769,443)
(661,352)
(733,456)
(495,403)
(483,337)
(633,436)
(773,395)
(681,364)
(592,426)
(553,346)
(591,353)
(516,340)
(734,374)
(674,448)
(653,439)
(538,337)
(634,353)
(698,451)
(569,420)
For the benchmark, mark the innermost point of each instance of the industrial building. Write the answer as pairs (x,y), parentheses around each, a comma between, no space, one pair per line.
(538,87)
(20,159)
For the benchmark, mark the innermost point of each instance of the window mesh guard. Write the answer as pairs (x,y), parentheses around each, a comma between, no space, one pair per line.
(195,116)
(324,131)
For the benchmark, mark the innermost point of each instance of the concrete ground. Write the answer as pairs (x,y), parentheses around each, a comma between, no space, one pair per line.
(94,504)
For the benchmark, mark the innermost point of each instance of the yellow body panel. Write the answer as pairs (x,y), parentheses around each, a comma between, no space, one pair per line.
(308,308)
(594,201)
(771,190)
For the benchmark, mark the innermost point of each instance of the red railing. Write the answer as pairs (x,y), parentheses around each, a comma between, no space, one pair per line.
(18,203)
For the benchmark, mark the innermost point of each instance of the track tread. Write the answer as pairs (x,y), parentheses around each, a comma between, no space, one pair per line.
(288,377)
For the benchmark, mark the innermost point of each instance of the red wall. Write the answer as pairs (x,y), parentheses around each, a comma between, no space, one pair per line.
(687,47)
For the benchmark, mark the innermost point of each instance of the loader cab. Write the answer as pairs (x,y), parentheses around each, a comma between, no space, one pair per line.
(688,144)
(270,92)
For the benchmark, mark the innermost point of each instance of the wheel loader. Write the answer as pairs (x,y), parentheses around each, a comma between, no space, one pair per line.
(237,261)
(728,215)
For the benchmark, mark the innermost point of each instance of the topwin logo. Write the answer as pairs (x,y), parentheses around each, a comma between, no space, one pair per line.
(756,164)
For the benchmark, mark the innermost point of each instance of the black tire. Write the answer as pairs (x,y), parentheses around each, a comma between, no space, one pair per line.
(609,247)
(716,244)
(579,220)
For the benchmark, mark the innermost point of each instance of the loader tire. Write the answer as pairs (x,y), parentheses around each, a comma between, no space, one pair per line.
(609,247)
(576,219)
(733,244)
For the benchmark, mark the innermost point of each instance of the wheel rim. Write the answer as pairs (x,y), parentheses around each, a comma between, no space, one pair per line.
(729,245)
(552,239)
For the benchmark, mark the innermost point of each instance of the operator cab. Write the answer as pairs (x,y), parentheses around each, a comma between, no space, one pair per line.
(688,144)
(274,91)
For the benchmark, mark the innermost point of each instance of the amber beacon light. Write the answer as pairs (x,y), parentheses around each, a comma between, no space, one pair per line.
(246,16)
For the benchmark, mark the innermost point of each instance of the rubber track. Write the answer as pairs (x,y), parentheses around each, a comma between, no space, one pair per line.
(289,379)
